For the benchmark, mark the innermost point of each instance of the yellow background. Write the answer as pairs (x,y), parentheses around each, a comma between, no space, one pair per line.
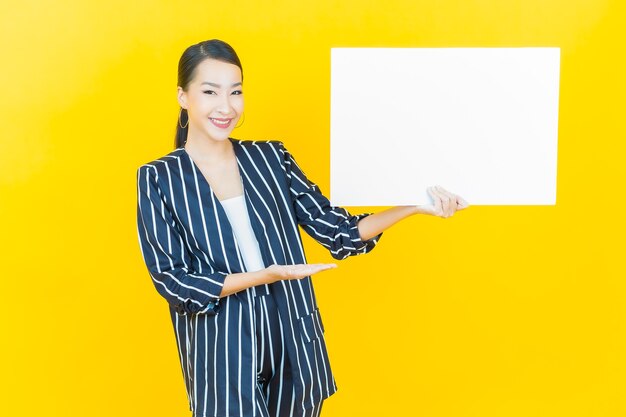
(497,311)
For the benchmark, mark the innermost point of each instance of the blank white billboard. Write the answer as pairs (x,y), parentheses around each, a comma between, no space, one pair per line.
(480,122)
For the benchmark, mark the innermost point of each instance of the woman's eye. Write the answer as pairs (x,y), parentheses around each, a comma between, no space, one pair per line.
(209,91)
(237,92)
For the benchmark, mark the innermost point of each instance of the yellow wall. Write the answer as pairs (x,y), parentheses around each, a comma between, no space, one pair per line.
(498,311)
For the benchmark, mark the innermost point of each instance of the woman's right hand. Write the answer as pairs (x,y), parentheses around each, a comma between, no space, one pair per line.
(280,272)
(445,203)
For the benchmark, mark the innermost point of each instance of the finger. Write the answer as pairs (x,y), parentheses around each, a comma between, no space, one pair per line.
(445,202)
(452,198)
(445,192)
(442,190)
(323,267)
(460,201)
(304,270)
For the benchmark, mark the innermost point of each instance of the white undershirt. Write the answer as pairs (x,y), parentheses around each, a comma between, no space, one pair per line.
(237,214)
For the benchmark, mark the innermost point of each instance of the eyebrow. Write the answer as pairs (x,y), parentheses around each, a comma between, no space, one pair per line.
(219,86)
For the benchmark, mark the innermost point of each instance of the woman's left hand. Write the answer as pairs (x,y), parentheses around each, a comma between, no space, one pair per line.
(445,204)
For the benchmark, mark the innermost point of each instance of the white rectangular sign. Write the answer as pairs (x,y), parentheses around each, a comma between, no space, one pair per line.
(480,122)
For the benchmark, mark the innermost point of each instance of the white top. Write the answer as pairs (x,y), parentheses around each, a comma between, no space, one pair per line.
(237,214)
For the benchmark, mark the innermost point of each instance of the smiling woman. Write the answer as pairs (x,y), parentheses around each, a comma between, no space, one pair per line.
(210,81)
(217,220)
(220,101)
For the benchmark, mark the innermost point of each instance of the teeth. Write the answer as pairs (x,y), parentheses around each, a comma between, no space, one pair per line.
(221,123)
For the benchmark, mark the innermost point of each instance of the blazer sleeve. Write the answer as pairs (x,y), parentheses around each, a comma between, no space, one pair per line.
(166,256)
(332,226)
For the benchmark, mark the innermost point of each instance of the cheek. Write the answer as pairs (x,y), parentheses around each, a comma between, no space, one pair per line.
(201,106)
(238,104)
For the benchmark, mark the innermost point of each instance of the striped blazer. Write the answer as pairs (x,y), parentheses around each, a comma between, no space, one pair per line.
(189,248)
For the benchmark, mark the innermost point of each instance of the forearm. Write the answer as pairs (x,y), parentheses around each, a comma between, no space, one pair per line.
(376,223)
(240,281)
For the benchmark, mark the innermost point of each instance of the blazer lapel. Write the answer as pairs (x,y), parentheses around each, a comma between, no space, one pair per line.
(245,166)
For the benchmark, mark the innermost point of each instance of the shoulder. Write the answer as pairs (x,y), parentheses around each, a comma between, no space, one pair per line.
(262,144)
(161,164)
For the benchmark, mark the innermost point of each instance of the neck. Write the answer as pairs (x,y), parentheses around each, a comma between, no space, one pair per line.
(207,150)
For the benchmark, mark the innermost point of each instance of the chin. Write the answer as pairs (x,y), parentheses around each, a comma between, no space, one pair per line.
(221,136)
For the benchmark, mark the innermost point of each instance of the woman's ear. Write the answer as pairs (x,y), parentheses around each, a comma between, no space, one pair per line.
(182,97)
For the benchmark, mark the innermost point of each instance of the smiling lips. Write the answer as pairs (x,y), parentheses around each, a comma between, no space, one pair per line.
(221,123)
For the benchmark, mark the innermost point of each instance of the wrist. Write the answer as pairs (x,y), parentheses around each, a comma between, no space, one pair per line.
(423,209)
(264,276)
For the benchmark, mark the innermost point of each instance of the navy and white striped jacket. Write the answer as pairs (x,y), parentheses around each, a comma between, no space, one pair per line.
(189,247)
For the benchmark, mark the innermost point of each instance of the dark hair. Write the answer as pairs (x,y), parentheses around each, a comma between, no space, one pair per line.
(194,55)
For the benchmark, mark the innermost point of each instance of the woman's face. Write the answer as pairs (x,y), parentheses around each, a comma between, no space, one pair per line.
(214,100)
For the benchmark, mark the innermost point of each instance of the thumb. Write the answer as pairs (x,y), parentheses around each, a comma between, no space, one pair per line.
(462,203)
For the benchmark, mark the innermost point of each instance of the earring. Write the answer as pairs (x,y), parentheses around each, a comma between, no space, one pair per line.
(243,117)
(179,124)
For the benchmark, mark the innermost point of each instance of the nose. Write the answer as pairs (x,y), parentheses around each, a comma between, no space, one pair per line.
(225,107)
